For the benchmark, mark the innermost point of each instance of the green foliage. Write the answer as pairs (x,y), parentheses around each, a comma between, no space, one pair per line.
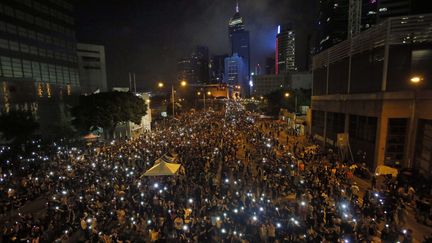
(277,100)
(17,125)
(107,110)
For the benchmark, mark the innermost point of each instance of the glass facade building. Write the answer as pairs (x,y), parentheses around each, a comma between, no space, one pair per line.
(37,50)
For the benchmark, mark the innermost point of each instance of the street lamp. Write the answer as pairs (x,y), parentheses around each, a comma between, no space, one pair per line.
(287,95)
(416,81)
(182,84)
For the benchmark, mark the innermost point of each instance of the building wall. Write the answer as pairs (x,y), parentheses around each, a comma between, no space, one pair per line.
(236,73)
(92,68)
(38,62)
(265,84)
(285,51)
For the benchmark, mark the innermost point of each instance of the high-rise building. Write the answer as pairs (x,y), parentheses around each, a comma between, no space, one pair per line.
(379,93)
(236,23)
(270,67)
(217,68)
(92,68)
(201,55)
(236,72)
(38,61)
(285,50)
(195,69)
(332,23)
(339,18)
(239,39)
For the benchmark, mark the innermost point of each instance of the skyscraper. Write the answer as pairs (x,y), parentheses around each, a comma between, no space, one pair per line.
(195,69)
(332,23)
(285,49)
(236,72)
(38,59)
(336,20)
(217,68)
(236,23)
(240,41)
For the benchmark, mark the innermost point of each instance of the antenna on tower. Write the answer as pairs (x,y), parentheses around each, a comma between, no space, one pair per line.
(237,7)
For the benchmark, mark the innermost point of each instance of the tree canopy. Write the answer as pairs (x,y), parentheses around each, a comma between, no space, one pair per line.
(17,125)
(107,110)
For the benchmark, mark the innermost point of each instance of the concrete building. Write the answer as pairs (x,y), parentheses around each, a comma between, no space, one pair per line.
(92,68)
(363,87)
(38,62)
(265,84)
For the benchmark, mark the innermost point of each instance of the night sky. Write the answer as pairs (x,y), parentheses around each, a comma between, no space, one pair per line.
(148,36)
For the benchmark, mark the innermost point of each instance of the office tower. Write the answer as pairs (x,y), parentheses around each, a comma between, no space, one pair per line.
(338,18)
(195,69)
(92,68)
(285,49)
(217,68)
(332,23)
(38,61)
(236,71)
(239,38)
(202,60)
(270,66)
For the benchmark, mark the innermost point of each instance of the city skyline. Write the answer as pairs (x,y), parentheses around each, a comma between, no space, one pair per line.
(146,29)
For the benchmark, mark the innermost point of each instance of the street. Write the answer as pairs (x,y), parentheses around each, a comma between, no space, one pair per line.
(242,181)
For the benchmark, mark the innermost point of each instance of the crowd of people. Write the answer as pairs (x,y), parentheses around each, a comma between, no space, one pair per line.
(239,183)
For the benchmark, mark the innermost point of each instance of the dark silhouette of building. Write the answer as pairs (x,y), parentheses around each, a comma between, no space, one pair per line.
(217,68)
(334,21)
(270,66)
(195,69)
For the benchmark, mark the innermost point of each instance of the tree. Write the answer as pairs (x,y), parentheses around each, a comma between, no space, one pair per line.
(17,125)
(107,110)
(275,101)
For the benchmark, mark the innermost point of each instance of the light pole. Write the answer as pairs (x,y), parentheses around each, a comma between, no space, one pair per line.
(204,97)
(295,100)
(415,81)
(182,84)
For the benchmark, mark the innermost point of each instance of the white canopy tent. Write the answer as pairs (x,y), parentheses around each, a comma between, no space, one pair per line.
(162,169)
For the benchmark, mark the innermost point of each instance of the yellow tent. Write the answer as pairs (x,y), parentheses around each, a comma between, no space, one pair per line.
(162,168)
(386,170)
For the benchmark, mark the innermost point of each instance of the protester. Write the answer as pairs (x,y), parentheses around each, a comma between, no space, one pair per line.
(240,183)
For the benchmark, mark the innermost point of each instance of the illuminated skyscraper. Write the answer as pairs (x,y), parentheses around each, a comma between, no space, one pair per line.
(240,41)
(236,23)
(285,49)
(236,73)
